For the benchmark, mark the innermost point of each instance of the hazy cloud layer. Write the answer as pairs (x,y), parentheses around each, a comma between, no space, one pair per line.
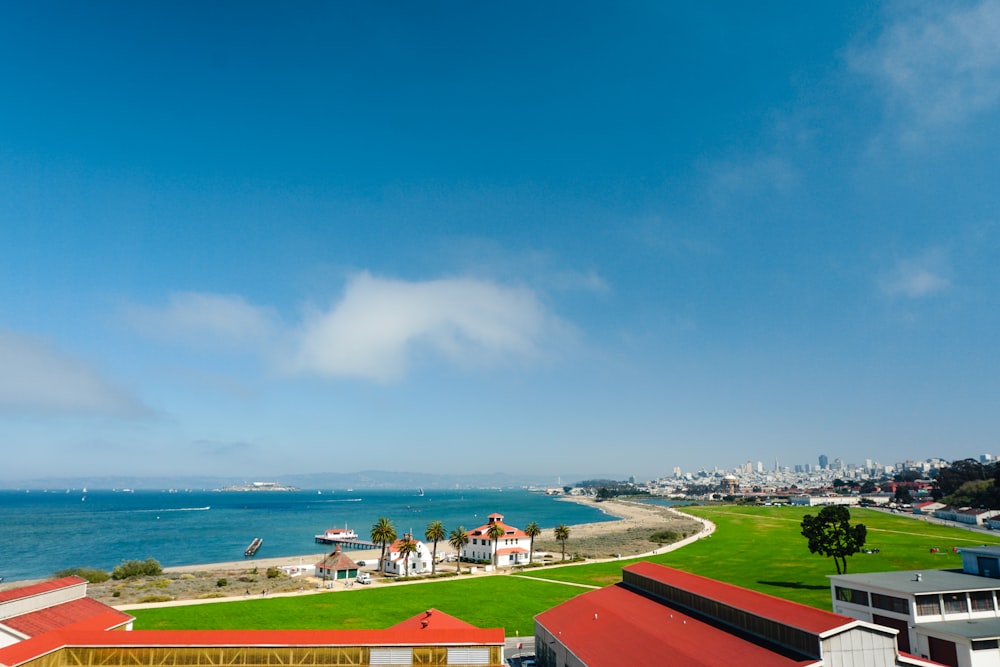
(380,323)
(915,277)
(375,329)
(937,67)
(205,318)
(37,378)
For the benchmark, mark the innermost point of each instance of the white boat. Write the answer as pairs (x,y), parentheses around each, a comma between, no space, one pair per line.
(333,535)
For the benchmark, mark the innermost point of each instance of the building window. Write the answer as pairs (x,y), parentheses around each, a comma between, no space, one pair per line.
(928,605)
(983,644)
(981,600)
(955,603)
(852,595)
(890,603)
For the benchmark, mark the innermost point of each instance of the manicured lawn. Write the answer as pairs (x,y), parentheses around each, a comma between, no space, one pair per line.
(498,601)
(756,547)
(761,548)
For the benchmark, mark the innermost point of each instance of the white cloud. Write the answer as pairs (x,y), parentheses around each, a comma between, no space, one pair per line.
(915,278)
(38,379)
(206,319)
(937,67)
(765,174)
(379,324)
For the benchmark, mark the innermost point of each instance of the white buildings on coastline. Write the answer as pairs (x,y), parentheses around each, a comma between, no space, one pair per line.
(512,548)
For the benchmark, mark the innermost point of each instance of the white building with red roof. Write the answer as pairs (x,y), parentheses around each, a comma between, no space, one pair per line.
(661,616)
(512,548)
(419,561)
(31,611)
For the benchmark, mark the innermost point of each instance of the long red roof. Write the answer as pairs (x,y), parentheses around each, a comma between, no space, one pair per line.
(593,626)
(66,614)
(789,613)
(39,588)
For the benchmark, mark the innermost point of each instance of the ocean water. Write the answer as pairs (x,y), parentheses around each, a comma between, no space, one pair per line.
(47,531)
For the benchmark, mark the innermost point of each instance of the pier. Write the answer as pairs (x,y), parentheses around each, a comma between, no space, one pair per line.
(347,544)
(251,550)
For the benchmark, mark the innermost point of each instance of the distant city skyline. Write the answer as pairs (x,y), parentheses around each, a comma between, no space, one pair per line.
(443,237)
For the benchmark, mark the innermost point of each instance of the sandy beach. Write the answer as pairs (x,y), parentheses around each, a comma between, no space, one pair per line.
(628,536)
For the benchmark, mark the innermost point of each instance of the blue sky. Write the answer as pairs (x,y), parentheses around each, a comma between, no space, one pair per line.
(560,238)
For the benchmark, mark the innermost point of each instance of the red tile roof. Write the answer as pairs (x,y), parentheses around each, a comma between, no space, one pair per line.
(508,531)
(786,612)
(66,614)
(511,550)
(593,626)
(432,619)
(38,589)
(338,561)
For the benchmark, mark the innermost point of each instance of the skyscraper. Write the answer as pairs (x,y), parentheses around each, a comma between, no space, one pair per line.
(823,461)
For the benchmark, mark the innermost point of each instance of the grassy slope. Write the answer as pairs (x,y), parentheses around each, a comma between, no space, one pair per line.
(756,547)
(497,601)
(761,548)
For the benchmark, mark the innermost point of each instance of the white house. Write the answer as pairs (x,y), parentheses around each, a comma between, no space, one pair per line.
(512,548)
(975,516)
(419,562)
(950,616)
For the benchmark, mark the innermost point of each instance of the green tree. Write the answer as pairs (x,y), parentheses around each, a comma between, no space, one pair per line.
(435,533)
(407,547)
(562,534)
(458,539)
(495,532)
(831,534)
(532,530)
(383,534)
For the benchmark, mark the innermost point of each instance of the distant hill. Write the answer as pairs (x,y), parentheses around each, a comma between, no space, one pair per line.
(365,479)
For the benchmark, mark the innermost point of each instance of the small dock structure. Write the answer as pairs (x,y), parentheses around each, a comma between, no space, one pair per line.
(251,550)
(343,537)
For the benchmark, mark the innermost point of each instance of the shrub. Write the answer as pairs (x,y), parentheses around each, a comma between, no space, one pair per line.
(273,573)
(92,575)
(665,537)
(116,594)
(137,568)
(187,576)
(222,582)
(156,598)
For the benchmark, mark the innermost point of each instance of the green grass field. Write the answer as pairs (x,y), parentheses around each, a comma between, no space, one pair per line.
(756,547)
(498,601)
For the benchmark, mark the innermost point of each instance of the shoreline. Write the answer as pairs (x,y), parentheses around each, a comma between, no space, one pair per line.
(626,535)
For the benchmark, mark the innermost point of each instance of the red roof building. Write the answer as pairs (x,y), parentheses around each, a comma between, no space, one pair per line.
(38,609)
(659,615)
(512,548)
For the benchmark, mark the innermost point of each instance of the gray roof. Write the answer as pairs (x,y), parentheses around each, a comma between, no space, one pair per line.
(983,551)
(931,581)
(983,628)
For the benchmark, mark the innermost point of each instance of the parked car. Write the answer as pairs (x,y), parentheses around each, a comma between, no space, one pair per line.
(360,563)
(364,578)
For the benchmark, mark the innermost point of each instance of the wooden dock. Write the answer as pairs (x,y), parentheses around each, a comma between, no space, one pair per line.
(251,550)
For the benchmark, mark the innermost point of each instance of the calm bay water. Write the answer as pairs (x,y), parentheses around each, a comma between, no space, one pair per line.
(44,532)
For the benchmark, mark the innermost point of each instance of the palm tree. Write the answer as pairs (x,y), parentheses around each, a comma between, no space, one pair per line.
(495,532)
(434,532)
(532,530)
(383,534)
(562,534)
(458,539)
(407,547)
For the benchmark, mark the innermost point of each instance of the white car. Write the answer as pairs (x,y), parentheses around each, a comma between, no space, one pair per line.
(364,578)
